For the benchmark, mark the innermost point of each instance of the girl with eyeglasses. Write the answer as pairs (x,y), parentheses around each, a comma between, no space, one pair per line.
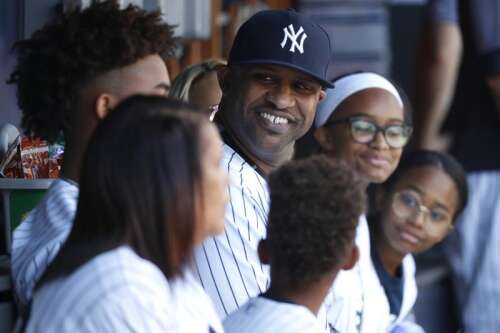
(415,209)
(364,121)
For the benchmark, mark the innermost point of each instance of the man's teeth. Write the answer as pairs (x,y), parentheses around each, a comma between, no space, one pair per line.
(274,119)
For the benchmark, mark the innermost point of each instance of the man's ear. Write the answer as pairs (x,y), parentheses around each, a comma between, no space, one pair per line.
(263,251)
(104,103)
(322,95)
(351,258)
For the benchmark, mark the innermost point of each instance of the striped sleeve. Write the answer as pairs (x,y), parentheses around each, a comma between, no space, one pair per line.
(268,316)
(37,240)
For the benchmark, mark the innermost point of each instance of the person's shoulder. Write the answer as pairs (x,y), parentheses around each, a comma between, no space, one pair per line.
(242,173)
(59,200)
(232,159)
(246,317)
(130,269)
(117,275)
(266,315)
(109,290)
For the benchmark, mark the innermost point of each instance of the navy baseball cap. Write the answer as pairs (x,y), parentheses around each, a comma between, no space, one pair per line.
(283,37)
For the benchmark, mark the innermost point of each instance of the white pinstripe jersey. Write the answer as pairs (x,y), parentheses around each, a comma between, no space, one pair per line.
(118,291)
(37,240)
(194,310)
(264,315)
(228,265)
(354,301)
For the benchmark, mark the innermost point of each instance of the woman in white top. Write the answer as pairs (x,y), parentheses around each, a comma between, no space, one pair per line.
(364,122)
(151,190)
(415,209)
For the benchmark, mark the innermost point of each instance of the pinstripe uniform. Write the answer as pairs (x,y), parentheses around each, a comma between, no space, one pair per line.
(265,315)
(37,240)
(194,310)
(353,303)
(118,291)
(228,265)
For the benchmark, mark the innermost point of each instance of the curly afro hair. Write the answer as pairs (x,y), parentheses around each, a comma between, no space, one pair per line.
(315,207)
(75,48)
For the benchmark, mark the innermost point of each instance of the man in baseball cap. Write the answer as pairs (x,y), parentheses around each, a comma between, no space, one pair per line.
(275,77)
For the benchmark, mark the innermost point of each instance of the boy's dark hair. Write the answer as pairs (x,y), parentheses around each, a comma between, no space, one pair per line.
(427,158)
(315,207)
(140,179)
(56,63)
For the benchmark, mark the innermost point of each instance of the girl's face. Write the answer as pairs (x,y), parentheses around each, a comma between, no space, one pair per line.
(418,212)
(214,183)
(376,160)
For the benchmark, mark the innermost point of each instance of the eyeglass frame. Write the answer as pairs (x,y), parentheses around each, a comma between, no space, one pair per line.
(420,209)
(378,129)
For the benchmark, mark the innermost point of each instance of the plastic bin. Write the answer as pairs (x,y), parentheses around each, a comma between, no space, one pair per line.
(19,197)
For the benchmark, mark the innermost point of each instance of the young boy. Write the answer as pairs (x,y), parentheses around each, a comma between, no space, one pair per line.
(315,206)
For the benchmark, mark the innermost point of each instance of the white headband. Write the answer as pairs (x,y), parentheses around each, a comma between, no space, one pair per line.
(348,86)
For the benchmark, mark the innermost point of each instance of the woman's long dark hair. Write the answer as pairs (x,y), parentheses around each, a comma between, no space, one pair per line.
(139,186)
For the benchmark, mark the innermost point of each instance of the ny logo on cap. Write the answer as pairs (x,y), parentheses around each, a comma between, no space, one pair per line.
(290,34)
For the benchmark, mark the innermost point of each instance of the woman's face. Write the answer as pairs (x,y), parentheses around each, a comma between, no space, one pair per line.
(418,211)
(375,161)
(214,183)
(206,93)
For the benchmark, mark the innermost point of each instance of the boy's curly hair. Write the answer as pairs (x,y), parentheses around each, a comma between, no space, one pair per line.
(315,207)
(75,48)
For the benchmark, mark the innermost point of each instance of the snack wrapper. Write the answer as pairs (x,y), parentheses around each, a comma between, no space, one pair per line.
(32,158)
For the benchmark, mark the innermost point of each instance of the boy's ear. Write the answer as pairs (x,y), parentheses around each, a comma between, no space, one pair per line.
(104,103)
(263,252)
(351,258)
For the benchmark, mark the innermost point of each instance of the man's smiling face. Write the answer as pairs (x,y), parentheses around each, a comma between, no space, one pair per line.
(270,106)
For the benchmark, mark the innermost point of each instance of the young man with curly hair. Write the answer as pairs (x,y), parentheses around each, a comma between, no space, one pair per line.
(315,206)
(70,74)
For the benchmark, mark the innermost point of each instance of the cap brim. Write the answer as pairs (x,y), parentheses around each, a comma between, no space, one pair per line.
(324,83)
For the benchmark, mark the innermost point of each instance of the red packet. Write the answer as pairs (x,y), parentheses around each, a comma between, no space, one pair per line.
(34,158)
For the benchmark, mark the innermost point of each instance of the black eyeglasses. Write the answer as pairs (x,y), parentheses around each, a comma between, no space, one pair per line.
(365,131)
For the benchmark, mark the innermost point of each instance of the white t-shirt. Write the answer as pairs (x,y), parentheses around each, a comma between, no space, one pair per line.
(37,240)
(265,315)
(118,291)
